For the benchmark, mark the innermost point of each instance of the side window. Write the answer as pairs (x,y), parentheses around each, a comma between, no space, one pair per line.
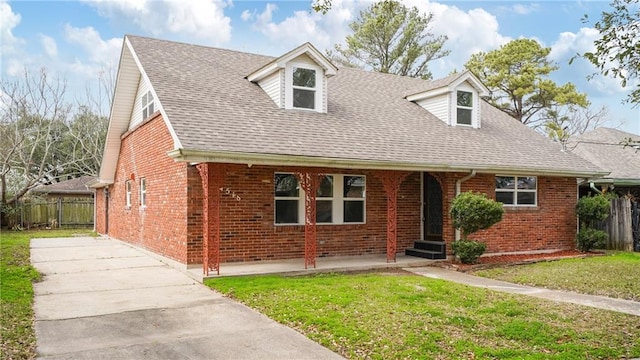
(147,105)
(127,189)
(517,190)
(354,195)
(143,192)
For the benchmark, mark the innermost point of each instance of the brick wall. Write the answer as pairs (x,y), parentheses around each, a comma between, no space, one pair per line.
(161,226)
(247,226)
(100,212)
(549,225)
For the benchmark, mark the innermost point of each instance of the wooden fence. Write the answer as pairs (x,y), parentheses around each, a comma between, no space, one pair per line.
(622,225)
(55,213)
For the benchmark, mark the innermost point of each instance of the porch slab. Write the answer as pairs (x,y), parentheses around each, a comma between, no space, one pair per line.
(323,264)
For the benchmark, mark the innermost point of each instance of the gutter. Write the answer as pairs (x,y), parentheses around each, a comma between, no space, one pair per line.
(458,190)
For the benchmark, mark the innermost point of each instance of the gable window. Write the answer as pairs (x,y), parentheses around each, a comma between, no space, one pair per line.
(304,88)
(147,105)
(517,190)
(127,195)
(143,192)
(340,199)
(464,108)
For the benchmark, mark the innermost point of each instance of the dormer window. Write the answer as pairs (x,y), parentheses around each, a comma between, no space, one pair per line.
(147,105)
(304,88)
(464,108)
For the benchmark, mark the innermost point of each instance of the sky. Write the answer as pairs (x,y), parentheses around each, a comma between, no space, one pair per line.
(79,40)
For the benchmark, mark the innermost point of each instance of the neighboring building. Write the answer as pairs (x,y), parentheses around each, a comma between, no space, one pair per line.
(605,147)
(217,156)
(72,188)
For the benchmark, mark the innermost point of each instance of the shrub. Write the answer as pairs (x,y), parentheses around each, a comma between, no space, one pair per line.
(593,208)
(474,211)
(468,250)
(588,239)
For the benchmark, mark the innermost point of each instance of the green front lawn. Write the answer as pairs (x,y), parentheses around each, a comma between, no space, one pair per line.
(403,316)
(615,275)
(17,338)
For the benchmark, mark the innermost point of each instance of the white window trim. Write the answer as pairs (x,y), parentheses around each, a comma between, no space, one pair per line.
(146,105)
(288,103)
(337,200)
(127,196)
(143,192)
(473,108)
(515,192)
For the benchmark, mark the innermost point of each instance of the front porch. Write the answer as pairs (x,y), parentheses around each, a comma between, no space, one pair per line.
(323,265)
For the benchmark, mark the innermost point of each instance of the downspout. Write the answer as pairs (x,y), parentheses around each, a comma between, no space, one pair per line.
(594,188)
(458,190)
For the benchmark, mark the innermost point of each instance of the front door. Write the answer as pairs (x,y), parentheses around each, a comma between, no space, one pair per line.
(432,208)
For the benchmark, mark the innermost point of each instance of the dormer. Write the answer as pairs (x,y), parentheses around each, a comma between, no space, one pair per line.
(455,99)
(297,79)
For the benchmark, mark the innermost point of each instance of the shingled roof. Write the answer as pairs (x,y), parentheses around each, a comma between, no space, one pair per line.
(75,186)
(603,147)
(216,114)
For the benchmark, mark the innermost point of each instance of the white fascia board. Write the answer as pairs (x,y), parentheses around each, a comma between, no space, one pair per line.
(473,81)
(195,156)
(428,94)
(263,72)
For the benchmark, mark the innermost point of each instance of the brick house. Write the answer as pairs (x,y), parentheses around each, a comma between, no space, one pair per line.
(217,156)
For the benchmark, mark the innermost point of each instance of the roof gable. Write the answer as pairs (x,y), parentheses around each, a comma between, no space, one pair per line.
(281,62)
(447,85)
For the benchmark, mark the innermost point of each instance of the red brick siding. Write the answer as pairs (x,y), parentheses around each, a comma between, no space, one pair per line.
(100,211)
(248,232)
(549,225)
(162,226)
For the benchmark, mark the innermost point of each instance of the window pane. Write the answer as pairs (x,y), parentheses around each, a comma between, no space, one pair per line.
(324,212)
(526,198)
(505,197)
(305,99)
(505,182)
(286,211)
(465,98)
(354,211)
(286,185)
(527,182)
(354,186)
(151,109)
(326,187)
(304,77)
(464,116)
(145,113)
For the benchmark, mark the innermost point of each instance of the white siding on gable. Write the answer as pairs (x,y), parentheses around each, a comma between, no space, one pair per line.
(305,59)
(136,114)
(438,106)
(272,85)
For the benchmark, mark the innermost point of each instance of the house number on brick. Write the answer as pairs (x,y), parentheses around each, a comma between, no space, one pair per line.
(229,192)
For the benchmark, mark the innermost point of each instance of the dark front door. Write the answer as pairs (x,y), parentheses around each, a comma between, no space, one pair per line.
(432,208)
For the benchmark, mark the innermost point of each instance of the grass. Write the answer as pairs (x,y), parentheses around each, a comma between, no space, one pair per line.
(17,337)
(615,275)
(381,316)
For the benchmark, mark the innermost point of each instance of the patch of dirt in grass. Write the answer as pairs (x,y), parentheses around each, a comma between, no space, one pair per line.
(488,262)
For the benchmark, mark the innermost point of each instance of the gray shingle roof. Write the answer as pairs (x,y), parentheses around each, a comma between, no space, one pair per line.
(72,186)
(603,147)
(213,108)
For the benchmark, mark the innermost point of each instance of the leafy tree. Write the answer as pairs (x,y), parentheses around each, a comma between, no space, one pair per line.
(517,75)
(617,51)
(321,6)
(391,38)
(591,210)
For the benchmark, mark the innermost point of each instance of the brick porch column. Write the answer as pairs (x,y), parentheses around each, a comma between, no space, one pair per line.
(309,182)
(212,176)
(391,181)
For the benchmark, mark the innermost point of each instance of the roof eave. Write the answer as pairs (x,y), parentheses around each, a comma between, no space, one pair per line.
(198,156)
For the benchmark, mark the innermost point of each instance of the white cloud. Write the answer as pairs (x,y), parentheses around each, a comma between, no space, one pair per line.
(100,53)
(8,21)
(246,15)
(49,46)
(202,19)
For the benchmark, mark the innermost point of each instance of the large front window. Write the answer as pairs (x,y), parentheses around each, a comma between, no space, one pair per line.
(304,88)
(340,199)
(464,107)
(517,190)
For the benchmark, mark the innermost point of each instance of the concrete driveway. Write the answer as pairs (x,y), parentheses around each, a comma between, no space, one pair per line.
(102,299)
